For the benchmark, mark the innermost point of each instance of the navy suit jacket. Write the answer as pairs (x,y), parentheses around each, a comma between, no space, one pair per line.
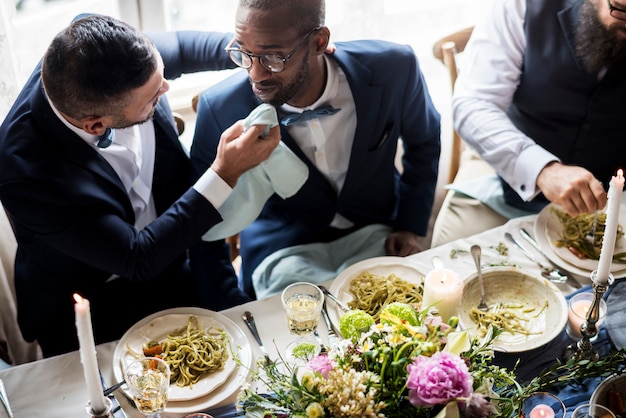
(74,221)
(392,102)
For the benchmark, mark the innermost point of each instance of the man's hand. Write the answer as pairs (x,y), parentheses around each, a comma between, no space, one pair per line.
(239,151)
(573,188)
(402,243)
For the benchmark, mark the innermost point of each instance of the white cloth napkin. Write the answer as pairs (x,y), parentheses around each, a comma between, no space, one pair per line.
(488,190)
(282,173)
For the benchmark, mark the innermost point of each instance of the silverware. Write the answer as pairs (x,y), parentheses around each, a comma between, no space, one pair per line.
(5,399)
(549,273)
(116,410)
(332,332)
(339,303)
(249,320)
(591,235)
(113,388)
(475,250)
(529,238)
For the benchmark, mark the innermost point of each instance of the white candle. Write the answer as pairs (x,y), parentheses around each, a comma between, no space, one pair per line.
(542,411)
(88,354)
(443,289)
(610,231)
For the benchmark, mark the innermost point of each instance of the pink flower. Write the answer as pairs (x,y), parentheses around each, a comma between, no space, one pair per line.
(438,379)
(321,364)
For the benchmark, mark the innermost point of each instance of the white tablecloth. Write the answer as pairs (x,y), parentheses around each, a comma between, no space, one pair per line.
(55,387)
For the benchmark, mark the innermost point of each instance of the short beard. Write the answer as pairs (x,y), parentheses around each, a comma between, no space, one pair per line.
(597,46)
(298,84)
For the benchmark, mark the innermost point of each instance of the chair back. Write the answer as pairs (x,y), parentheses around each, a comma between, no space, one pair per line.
(445,50)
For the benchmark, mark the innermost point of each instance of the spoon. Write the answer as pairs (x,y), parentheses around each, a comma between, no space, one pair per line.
(249,320)
(549,273)
(475,250)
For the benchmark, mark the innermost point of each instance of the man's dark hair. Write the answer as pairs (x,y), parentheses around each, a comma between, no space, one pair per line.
(91,67)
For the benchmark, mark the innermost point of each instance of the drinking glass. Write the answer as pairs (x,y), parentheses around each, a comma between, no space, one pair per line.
(148,380)
(302,302)
(592,411)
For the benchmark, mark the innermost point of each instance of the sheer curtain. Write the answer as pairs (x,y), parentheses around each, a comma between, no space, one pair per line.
(9,83)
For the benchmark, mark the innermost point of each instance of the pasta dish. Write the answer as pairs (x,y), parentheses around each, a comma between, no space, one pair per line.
(191,352)
(373,292)
(575,229)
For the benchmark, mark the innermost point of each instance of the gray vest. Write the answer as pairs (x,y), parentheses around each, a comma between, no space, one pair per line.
(564,109)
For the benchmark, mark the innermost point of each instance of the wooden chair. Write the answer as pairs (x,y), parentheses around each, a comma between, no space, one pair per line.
(445,50)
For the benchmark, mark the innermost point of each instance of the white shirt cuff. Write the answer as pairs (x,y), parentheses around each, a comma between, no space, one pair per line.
(213,188)
(527,168)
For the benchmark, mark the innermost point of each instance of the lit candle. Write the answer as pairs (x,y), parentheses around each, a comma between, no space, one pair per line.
(577,315)
(542,411)
(88,354)
(443,289)
(610,231)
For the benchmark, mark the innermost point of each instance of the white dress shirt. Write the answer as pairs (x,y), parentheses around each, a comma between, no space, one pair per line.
(132,155)
(327,141)
(489,73)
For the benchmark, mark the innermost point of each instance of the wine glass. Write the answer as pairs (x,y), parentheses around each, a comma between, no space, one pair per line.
(148,380)
(302,302)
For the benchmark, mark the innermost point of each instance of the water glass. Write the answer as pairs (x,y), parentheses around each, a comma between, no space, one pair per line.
(148,380)
(302,302)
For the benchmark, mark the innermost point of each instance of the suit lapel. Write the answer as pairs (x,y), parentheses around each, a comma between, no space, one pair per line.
(367,99)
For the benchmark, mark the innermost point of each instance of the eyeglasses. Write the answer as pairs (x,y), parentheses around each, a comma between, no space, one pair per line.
(271,62)
(615,12)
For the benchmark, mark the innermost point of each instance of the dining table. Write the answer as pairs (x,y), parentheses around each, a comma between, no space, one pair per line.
(55,386)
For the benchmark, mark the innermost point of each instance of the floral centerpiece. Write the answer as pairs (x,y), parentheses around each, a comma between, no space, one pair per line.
(409,363)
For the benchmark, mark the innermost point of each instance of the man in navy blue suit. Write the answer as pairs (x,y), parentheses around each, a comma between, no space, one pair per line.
(372,94)
(97,184)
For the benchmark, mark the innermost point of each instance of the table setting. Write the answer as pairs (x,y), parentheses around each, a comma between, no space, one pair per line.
(448,277)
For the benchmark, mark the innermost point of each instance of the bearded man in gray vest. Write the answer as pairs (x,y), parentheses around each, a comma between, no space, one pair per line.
(539,97)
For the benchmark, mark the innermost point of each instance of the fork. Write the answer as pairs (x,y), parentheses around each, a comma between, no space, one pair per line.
(591,235)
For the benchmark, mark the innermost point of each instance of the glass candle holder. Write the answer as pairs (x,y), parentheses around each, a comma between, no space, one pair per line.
(543,405)
(578,308)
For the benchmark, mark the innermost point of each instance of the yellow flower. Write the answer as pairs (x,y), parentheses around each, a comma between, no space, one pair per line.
(308,380)
(314,410)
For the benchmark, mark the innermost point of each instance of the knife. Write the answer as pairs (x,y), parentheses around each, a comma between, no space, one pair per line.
(5,399)
(333,338)
(570,280)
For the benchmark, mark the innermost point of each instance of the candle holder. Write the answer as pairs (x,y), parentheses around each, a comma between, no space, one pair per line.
(543,405)
(583,349)
(102,414)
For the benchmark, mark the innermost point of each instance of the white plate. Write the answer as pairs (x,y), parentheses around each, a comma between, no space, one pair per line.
(553,230)
(540,229)
(511,285)
(212,388)
(385,266)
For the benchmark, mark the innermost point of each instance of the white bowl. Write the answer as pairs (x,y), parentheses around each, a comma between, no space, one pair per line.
(510,285)
(617,383)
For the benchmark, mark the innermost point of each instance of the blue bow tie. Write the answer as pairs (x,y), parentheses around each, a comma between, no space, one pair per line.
(106,138)
(292,118)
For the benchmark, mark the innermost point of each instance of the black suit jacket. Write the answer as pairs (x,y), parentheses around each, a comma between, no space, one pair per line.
(74,221)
